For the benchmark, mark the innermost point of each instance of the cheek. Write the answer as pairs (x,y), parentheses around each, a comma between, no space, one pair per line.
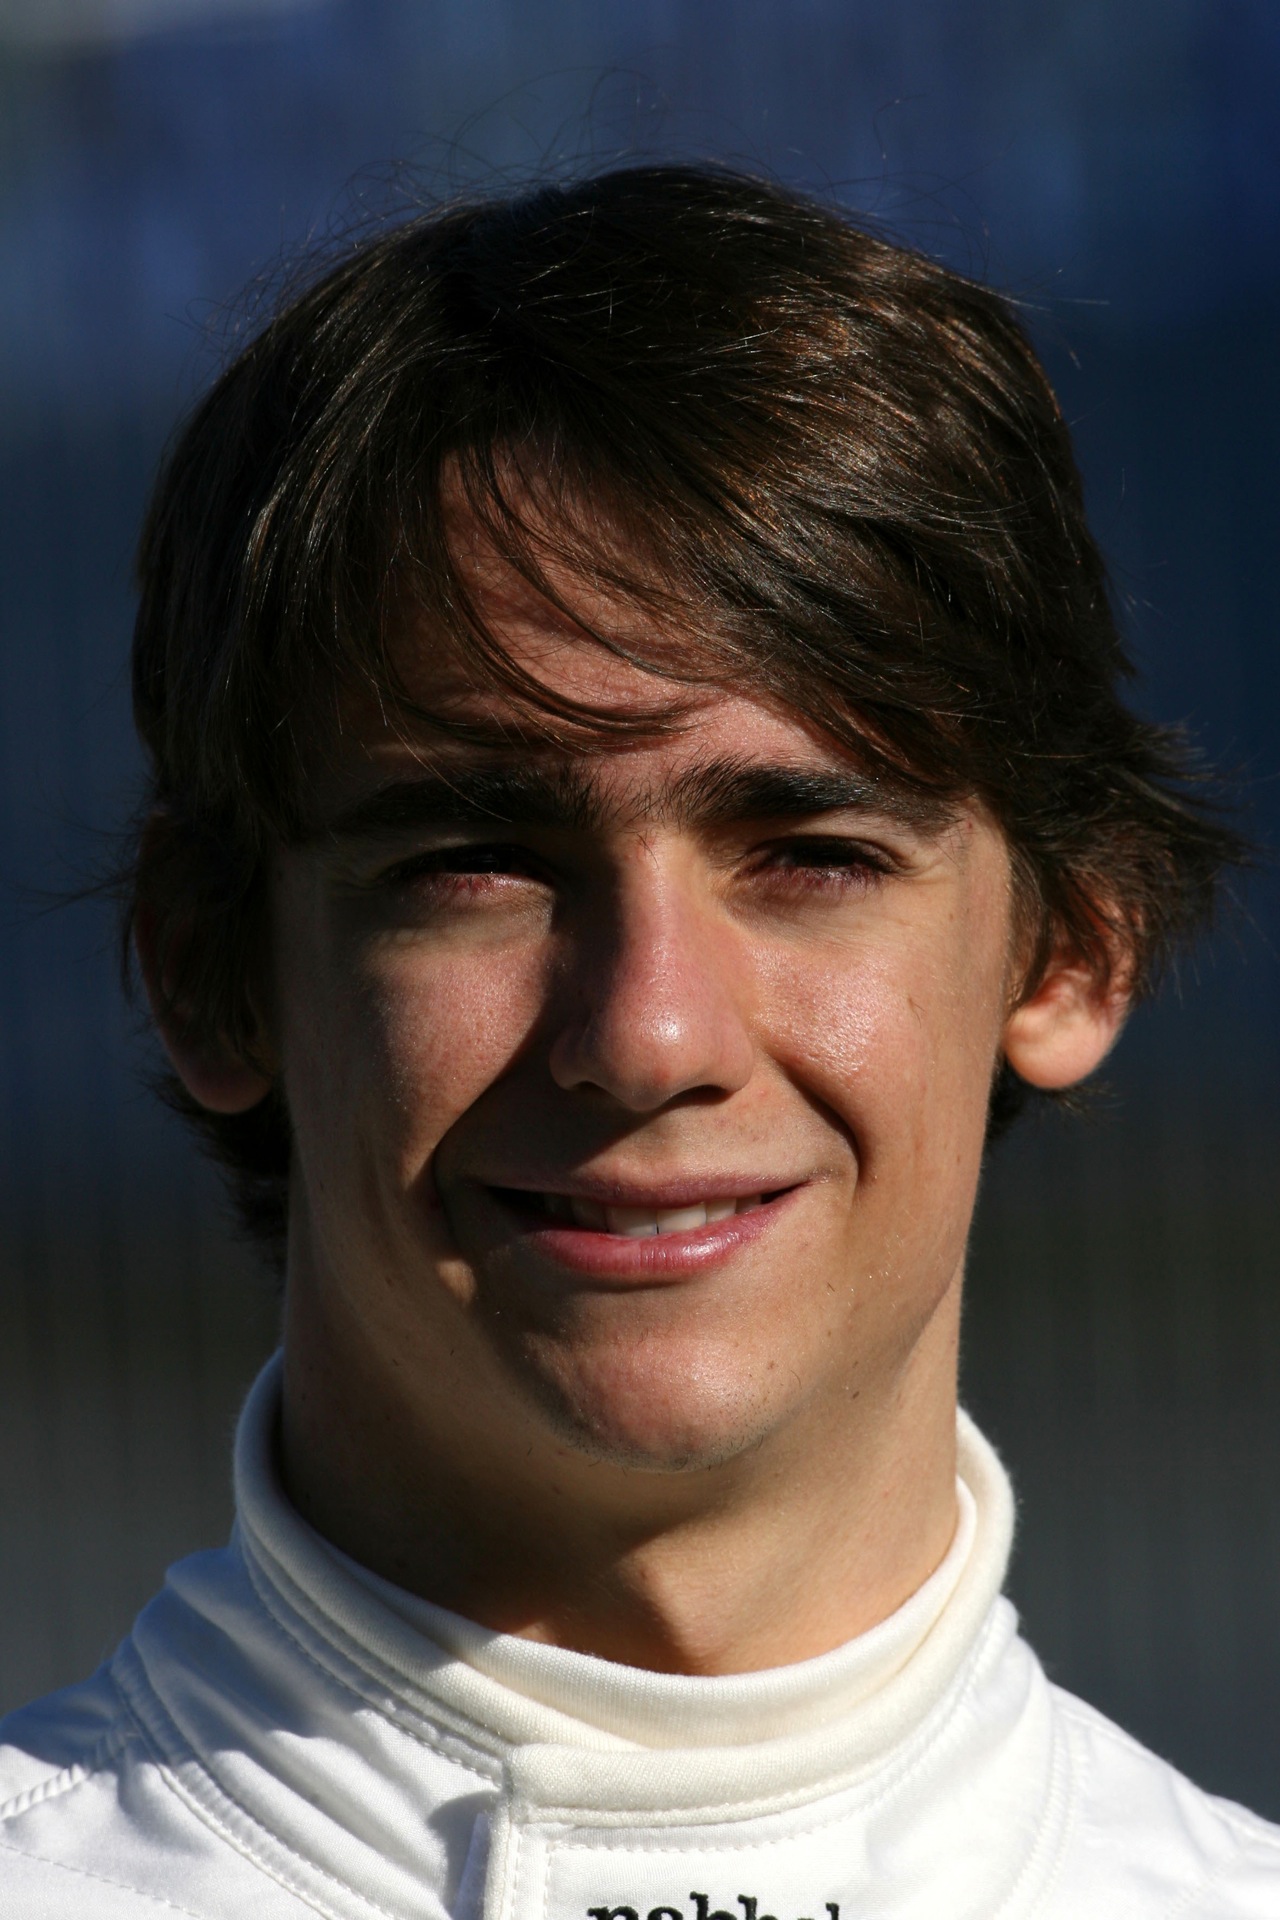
(906,1091)
(849,1037)
(392,1051)
(898,1044)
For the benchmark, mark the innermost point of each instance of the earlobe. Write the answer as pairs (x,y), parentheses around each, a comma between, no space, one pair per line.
(216,1076)
(1064,1030)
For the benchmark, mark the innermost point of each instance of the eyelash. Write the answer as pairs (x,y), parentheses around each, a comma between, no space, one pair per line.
(457,868)
(832,863)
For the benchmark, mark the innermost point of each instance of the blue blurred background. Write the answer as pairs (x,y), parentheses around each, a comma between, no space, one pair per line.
(1115,166)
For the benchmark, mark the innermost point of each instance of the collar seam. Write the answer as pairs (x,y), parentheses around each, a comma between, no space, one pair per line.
(212,1801)
(67,1779)
(1080,1725)
(463,1744)
(1063,1793)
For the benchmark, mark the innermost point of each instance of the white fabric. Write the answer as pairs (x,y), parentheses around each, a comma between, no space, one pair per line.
(284,1734)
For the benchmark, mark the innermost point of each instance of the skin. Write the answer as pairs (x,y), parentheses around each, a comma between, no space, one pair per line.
(717,1451)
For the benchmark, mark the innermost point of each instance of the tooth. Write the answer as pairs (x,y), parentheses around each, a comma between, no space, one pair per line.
(680,1219)
(639,1223)
(634,1222)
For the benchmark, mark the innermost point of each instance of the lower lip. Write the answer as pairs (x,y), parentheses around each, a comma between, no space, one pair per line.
(654,1257)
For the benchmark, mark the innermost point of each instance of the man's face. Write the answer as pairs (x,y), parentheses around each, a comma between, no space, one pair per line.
(638,1096)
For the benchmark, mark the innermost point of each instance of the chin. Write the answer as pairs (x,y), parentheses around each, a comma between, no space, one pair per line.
(652,1410)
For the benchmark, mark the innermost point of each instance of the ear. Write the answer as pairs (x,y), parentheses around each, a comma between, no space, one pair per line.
(1067,1026)
(216,1077)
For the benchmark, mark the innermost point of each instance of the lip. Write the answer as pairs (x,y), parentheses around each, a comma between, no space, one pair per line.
(612,1259)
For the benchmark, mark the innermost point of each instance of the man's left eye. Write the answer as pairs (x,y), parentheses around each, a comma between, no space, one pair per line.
(827,863)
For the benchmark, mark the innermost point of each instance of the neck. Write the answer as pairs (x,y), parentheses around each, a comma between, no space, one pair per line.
(807,1539)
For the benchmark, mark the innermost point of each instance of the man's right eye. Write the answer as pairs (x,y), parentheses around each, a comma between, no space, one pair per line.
(463,870)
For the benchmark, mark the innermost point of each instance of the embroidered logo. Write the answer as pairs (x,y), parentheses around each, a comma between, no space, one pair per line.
(703,1910)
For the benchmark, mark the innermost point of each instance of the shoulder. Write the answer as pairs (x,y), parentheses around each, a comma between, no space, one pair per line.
(1144,1841)
(62,1762)
(93,1824)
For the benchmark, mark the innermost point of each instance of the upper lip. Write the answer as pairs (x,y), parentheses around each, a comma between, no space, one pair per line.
(660,1195)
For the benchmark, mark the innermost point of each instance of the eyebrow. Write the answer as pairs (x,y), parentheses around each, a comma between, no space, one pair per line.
(710,794)
(505,794)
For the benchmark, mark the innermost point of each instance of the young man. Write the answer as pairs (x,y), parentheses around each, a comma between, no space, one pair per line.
(639,788)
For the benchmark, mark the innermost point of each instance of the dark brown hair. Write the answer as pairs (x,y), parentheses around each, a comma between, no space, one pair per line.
(833,470)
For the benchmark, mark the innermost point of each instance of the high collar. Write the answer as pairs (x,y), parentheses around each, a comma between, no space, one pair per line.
(538,1706)
(350,1737)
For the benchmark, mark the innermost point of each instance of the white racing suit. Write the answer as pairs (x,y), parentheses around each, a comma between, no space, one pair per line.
(283,1734)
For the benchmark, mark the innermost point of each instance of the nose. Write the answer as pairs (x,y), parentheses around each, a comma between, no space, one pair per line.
(654,1007)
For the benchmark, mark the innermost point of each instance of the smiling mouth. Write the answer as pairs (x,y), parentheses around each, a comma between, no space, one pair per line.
(636,1223)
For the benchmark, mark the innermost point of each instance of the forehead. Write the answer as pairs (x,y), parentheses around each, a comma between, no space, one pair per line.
(554,615)
(615,698)
(604,705)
